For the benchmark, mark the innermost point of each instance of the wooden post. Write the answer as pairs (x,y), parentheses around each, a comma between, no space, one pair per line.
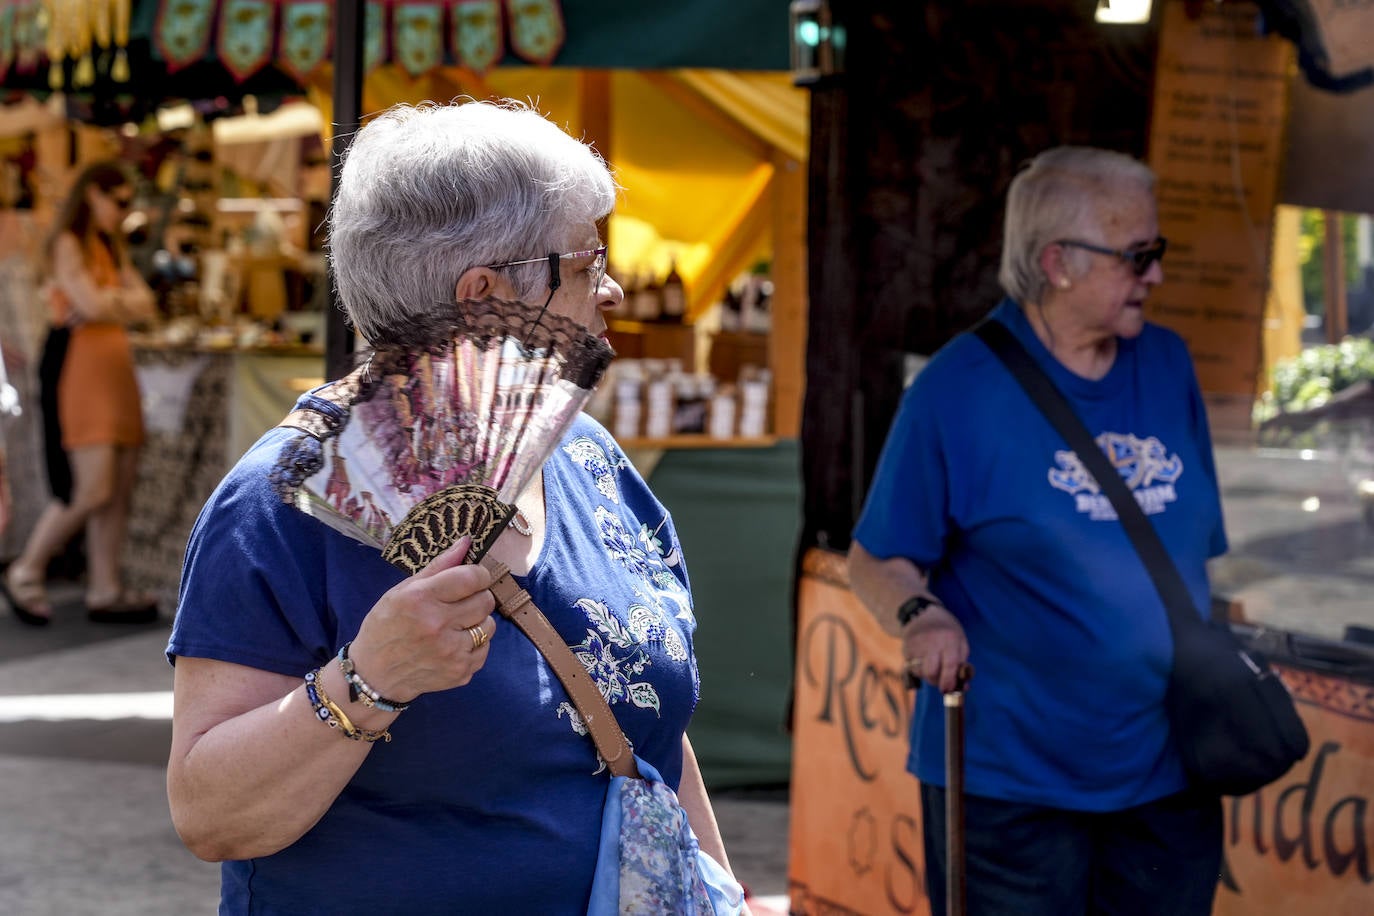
(348,104)
(787,339)
(594,104)
(1333,263)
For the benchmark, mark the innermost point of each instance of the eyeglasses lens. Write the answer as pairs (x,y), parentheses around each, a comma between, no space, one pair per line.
(1144,257)
(599,274)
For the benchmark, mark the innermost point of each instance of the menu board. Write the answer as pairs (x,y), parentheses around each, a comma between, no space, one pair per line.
(1216,135)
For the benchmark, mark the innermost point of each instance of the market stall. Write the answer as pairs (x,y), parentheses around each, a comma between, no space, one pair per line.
(708,138)
(1203,93)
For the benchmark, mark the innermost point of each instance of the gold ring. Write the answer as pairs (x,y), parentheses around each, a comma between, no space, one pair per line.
(914,666)
(479,636)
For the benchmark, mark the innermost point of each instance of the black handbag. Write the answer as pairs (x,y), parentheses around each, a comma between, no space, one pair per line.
(1232,718)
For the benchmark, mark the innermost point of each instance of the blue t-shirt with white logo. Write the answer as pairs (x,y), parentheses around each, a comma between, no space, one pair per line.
(1068,637)
(489,797)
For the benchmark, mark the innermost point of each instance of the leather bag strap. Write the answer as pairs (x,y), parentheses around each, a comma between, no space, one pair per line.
(1178,602)
(516,605)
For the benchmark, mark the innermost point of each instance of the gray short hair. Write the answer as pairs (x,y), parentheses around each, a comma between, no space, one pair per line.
(429,191)
(1056,196)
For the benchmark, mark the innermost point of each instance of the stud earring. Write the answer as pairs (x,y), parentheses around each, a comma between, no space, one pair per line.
(1064,283)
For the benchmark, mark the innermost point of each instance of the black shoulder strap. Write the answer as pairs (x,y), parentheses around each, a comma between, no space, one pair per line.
(1177,600)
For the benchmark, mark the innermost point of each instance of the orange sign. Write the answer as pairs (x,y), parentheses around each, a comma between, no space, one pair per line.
(1220,103)
(1302,845)
(855,817)
(1306,843)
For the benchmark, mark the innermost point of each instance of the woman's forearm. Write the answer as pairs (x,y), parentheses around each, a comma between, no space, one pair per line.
(692,794)
(255,782)
(883,584)
(137,302)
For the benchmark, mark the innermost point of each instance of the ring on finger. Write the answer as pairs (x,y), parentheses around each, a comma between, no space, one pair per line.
(480,637)
(914,666)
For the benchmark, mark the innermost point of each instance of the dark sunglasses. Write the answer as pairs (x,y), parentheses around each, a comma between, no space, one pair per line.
(1140,257)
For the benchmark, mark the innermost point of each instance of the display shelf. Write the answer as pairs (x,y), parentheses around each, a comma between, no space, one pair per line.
(652,340)
(698,441)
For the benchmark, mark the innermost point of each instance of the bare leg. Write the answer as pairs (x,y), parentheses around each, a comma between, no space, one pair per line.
(93,479)
(105,533)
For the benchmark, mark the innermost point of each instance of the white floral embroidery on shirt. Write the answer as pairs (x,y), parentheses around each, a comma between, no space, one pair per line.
(649,625)
(615,658)
(593,459)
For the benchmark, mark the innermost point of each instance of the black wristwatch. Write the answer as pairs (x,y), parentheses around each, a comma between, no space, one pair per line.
(913,606)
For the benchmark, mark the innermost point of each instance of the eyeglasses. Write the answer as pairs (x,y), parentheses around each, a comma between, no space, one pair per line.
(1140,257)
(556,279)
(598,266)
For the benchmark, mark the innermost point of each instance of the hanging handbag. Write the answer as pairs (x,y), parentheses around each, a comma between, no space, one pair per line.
(649,861)
(1232,719)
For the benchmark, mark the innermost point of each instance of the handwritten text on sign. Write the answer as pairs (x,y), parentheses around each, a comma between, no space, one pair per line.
(1302,845)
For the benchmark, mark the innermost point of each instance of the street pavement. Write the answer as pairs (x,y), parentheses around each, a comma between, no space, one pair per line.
(85,711)
(85,724)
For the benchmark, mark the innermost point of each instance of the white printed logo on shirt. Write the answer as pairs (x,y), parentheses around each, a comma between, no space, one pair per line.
(1146,466)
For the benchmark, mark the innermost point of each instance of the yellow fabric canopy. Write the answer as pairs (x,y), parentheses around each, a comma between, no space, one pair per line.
(695,152)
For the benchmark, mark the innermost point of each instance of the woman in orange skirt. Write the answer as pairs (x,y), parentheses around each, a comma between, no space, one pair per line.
(94,291)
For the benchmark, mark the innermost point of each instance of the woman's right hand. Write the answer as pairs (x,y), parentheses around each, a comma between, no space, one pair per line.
(935,647)
(417,638)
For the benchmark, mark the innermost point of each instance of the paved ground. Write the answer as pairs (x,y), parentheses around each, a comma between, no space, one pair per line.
(84,730)
(84,710)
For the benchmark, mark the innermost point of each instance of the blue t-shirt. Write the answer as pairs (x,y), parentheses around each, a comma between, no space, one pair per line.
(1068,637)
(489,798)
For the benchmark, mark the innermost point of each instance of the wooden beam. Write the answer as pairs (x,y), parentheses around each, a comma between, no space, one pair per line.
(1333,262)
(594,105)
(787,339)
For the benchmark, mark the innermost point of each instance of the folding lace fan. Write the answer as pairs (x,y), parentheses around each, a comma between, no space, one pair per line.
(439,432)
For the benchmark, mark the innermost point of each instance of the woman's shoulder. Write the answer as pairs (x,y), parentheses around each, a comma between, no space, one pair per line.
(247,490)
(958,369)
(594,456)
(1156,342)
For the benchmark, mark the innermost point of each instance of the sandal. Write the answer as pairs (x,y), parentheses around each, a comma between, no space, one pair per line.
(129,607)
(26,611)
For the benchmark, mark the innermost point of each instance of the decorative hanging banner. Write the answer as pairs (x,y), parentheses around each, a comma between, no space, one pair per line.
(6,39)
(536,29)
(305,36)
(374,36)
(476,33)
(246,32)
(181,31)
(29,38)
(417,36)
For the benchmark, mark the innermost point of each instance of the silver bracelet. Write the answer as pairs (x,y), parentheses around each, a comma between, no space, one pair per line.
(360,690)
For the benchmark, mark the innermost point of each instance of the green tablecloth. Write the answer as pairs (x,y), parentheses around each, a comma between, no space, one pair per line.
(738,512)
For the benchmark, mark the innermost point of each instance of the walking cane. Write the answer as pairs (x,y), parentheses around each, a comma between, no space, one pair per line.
(956,889)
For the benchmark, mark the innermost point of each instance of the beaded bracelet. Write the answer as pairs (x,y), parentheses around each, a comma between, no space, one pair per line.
(328,712)
(359,689)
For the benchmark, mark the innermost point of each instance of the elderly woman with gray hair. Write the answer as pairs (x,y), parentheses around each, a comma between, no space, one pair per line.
(984,541)
(489,799)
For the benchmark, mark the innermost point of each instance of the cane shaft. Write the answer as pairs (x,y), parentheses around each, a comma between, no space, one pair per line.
(955,882)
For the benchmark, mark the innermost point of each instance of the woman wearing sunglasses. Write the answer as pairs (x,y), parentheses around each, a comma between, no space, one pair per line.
(90,387)
(984,540)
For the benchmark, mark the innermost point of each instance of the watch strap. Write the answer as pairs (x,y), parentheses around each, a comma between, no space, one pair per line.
(912,607)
